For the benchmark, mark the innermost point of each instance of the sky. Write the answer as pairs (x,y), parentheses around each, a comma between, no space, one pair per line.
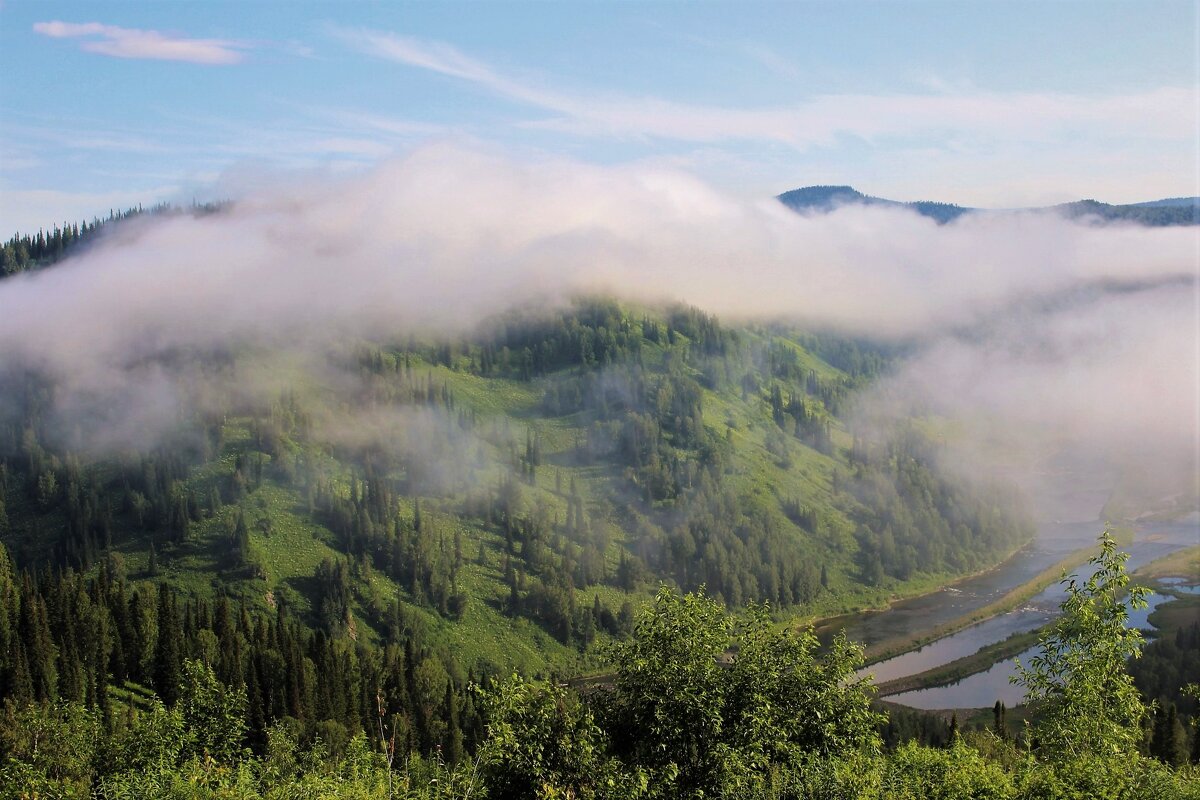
(988,104)
(419,167)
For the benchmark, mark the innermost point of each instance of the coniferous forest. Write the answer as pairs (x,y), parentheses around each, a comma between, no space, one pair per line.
(599,401)
(566,556)
(701,703)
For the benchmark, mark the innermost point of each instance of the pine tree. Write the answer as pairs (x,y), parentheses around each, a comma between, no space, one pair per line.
(168,648)
(1000,720)
(1169,741)
(452,745)
(20,680)
(1195,757)
(40,652)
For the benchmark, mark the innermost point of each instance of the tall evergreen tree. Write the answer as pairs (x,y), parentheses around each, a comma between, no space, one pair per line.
(168,648)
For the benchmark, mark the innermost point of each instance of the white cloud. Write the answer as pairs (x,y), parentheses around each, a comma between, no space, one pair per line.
(448,60)
(353,119)
(111,40)
(950,115)
(771,59)
(446,236)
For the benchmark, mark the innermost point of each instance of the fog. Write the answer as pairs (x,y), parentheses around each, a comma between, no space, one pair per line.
(1089,395)
(1022,324)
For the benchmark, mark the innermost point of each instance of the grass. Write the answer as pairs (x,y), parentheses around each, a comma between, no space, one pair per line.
(1174,614)
(131,695)
(1179,564)
(293,544)
(1184,610)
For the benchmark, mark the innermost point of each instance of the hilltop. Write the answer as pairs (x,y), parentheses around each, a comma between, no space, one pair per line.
(1173,211)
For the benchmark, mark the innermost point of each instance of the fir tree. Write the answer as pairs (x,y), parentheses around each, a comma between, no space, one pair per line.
(168,648)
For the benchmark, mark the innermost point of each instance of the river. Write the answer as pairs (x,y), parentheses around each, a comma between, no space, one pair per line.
(1068,495)
(913,617)
(1151,541)
(983,689)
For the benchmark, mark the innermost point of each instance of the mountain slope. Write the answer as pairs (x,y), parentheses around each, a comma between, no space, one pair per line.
(827,198)
(352,529)
(512,492)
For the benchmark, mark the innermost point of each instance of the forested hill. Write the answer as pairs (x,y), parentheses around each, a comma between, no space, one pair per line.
(1174,211)
(415,514)
(827,198)
(24,252)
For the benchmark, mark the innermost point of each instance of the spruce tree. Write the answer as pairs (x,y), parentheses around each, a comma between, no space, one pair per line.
(452,745)
(168,648)
(999,720)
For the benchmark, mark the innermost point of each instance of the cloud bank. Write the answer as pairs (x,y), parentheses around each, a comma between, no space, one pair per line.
(1035,323)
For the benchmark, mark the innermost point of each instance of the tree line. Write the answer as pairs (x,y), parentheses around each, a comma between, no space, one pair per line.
(701,704)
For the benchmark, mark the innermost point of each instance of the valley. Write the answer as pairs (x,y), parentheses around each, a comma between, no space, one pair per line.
(599,401)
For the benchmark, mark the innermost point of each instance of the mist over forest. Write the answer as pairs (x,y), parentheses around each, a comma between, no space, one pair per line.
(322,468)
(1026,324)
(487,402)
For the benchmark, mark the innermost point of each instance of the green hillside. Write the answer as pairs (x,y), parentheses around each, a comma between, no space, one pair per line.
(504,488)
(321,563)
(423,513)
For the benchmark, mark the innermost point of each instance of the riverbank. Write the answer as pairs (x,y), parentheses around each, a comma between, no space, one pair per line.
(824,625)
(1013,598)
(1180,564)
(964,667)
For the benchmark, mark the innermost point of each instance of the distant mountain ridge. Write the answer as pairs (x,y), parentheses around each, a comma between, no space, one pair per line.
(1170,211)
(1170,201)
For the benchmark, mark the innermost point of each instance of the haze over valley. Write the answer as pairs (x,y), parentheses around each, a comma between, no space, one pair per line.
(410,406)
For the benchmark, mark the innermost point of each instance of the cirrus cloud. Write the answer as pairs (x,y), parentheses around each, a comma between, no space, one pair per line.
(981,120)
(133,43)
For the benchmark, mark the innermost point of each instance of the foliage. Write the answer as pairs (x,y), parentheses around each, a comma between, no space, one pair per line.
(49,749)
(213,714)
(543,742)
(1087,702)
(707,703)
(1161,675)
(670,692)
(747,710)
(943,774)
(785,700)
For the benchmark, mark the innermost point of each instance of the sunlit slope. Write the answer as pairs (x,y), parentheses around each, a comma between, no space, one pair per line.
(513,495)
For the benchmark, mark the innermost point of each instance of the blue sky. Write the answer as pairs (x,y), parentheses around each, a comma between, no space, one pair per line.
(982,103)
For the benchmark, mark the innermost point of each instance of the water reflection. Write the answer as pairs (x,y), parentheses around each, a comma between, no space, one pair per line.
(984,688)
(1180,585)
(1151,541)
